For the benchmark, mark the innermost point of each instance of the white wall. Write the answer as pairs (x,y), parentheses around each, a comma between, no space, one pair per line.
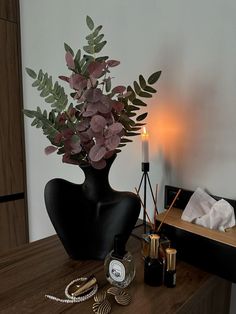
(192,119)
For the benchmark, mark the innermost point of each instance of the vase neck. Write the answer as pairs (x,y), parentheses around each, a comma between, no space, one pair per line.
(96,184)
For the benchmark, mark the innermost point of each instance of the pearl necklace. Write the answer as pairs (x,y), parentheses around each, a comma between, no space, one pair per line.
(70,298)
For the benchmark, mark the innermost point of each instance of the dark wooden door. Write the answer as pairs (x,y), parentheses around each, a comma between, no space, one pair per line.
(13,211)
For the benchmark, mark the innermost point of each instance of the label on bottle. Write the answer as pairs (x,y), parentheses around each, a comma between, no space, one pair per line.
(117,271)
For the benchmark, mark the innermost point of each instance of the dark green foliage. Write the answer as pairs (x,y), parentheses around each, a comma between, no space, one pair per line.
(154,77)
(69,49)
(90,77)
(53,94)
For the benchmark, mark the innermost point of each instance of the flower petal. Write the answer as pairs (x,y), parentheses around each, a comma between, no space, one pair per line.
(93,94)
(116,127)
(113,63)
(118,89)
(97,152)
(117,105)
(69,60)
(97,123)
(50,149)
(95,68)
(112,142)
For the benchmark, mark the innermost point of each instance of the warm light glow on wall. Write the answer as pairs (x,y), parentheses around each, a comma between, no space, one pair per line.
(167,128)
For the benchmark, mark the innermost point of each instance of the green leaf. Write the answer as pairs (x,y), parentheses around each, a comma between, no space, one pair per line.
(132,96)
(89,49)
(78,56)
(61,151)
(139,102)
(50,99)
(142,82)
(99,59)
(31,73)
(145,95)
(137,88)
(132,133)
(141,116)
(44,92)
(40,75)
(131,114)
(68,49)
(125,140)
(154,77)
(136,129)
(150,89)
(140,124)
(52,116)
(36,83)
(124,119)
(49,83)
(39,110)
(34,122)
(96,31)
(133,108)
(55,86)
(89,22)
(108,84)
(98,47)
(98,39)
(90,37)
(29,113)
(88,58)
(91,42)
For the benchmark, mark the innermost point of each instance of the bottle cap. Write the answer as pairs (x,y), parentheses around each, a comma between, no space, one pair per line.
(154,245)
(171,258)
(119,246)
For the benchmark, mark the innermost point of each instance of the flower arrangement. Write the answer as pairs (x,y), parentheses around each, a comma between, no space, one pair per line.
(100,119)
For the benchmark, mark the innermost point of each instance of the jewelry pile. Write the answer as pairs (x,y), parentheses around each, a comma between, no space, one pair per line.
(86,289)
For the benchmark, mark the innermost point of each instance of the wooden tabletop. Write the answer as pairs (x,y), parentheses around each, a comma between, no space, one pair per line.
(43,267)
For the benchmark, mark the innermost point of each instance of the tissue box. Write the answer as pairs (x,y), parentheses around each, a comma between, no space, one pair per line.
(213,251)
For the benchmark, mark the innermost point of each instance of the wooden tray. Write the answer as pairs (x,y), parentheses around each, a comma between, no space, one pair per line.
(213,251)
(174,219)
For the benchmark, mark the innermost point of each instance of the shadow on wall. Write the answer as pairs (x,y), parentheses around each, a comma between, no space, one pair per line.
(184,122)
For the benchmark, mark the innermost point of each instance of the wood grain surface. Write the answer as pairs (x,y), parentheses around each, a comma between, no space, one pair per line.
(13,225)
(8,10)
(11,146)
(42,267)
(13,204)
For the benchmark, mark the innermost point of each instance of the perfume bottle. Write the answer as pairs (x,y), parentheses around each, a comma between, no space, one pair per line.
(153,264)
(170,271)
(119,264)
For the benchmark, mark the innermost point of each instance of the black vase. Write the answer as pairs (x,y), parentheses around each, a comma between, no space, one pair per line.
(87,216)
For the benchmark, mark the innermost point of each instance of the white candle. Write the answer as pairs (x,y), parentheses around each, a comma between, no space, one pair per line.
(145,148)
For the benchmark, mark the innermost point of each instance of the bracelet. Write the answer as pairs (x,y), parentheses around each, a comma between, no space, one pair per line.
(70,298)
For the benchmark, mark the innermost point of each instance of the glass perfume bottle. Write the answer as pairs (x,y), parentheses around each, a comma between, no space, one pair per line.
(170,272)
(119,264)
(153,264)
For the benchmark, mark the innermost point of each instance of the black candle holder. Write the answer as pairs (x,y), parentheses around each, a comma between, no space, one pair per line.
(145,180)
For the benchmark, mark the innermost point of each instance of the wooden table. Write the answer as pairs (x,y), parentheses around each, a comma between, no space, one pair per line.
(42,267)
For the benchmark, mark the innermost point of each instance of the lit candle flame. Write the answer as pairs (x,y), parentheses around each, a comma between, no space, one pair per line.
(144,134)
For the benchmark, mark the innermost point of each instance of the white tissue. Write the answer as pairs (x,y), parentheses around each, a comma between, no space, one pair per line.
(204,210)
